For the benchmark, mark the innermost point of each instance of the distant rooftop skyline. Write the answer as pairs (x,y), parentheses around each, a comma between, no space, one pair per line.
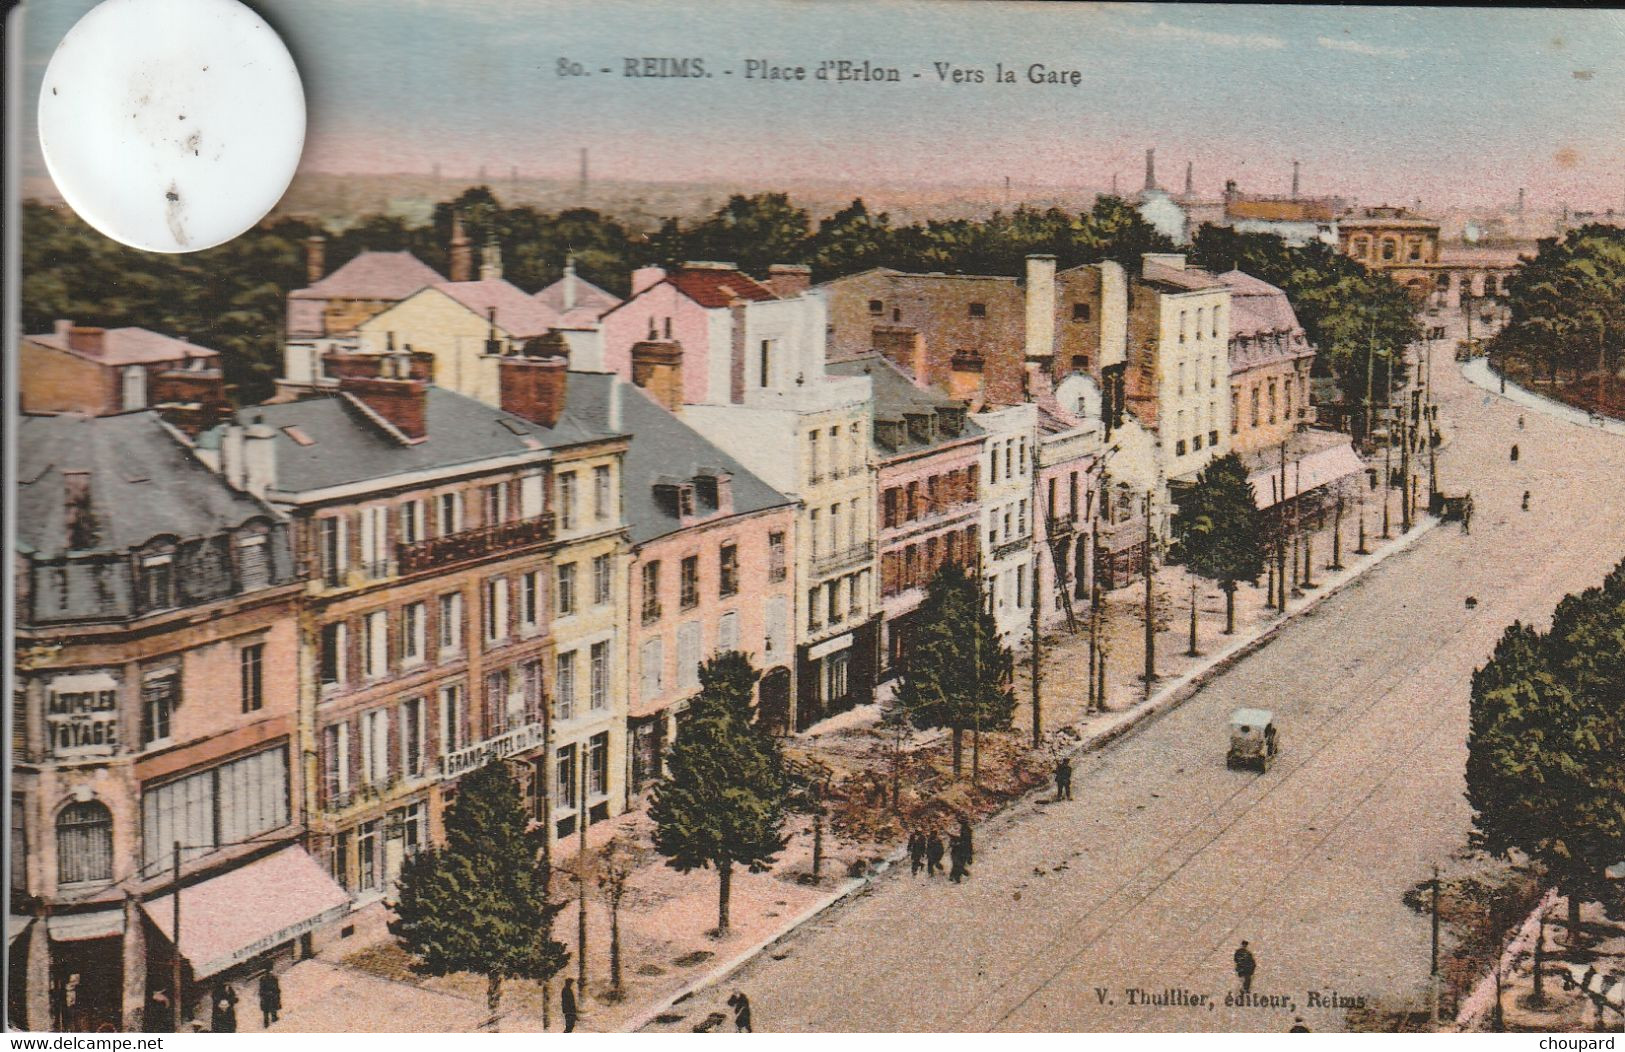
(1454,106)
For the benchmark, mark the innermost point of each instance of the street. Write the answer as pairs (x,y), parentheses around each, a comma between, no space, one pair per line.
(1165,860)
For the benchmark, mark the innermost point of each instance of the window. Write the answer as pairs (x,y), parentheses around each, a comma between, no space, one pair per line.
(689,582)
(1182,326)
(854,593)
(530,601)
(334,549)
(251,665)
(603,498)
(1009,458)
(564,770)
(498,694)
(1021,585)
(451,622)
(834,676)
(688,654)
(1213,368)
(218,807)
(253,565)
(496,503)
(890,511)
(496,609)
(728,572)
(412,522)
(160,697)
(366,855)
(1272,401)
(414,625)
(598,764)
(651,666)
(1255,405)
(567,589)
(978,310)
(876,307)
(334,645)
(567,500)
(834,527)
(453,719)
(814,618)
(764,372)
(651,591)
(451,514)
(84,843)
(776,627)
(1080,312)
(832,596)
(530,495)
(375,644)
(375,747)
(728,632)
(531,689)
(1179,448)
(1235,411)
(598,676)
(375,541)
(564,682)
(812,532)
(157,582)
(414,732)
(1021,519)
(777,566)
(603,580)
(1181,373)
(812,452)
(19,843)
(1287,387)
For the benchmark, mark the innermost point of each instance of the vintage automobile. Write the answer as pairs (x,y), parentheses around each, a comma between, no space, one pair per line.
(1252,739)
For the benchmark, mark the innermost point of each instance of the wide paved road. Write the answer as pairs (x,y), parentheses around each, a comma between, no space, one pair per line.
(1166,858)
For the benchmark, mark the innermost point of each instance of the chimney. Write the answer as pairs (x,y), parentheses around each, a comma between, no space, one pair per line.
(315,258)
(493,345)
(231,454)
(1520,200)
(1229,189)
(736,351)
(1294,180)
(1113,314)
(86,339)
(534,388)
(657,367)
(1151,169)
(79,515)
(491,260)
(61,328)
(644,277)
(569,282)
(259,457)
(789,279)
(1190,178)
(403,404)
(462,254)
(1040,308)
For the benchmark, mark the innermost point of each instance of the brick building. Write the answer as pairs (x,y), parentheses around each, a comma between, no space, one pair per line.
(84,369)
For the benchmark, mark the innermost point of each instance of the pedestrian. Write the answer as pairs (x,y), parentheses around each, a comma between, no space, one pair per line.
(1246,965)
(741,1006)
(1503,385)
(270,998)
(1520,422)
(1467,515)
(567,1005)
(1063,779)
(916,852)
(1525,500)
(964,836)
(1514,452)
(958,859)
(223,1014)
(1298,1026)
(933,854)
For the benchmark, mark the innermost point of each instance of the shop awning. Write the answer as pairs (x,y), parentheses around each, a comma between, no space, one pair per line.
(1308,472)
(16,924)
(228,919)
(74,927)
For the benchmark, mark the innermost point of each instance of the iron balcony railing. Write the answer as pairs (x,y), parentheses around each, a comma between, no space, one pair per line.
(475,544)
(842,558)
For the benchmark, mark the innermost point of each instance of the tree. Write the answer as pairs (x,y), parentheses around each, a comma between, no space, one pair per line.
(1546,733)
(724,801)
(754,232)
(954,673)
(479,904)
(615,868)
(1566,306)
(1220,531)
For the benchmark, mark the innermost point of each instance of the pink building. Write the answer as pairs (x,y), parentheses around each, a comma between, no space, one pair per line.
(710,572)
(928,456)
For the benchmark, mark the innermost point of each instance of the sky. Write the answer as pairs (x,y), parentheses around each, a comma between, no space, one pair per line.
(1456,106)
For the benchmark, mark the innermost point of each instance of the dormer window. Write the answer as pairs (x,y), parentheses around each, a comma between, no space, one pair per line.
(157,581)
(978,310)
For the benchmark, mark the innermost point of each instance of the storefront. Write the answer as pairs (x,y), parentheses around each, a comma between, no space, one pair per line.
(837,674)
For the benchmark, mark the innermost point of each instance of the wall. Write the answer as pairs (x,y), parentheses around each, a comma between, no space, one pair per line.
(54,381)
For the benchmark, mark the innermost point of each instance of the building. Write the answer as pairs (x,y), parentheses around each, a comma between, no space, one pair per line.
(573,302)
(155,721)
(323,316)
(1270,360)
(1008,509)
(710,565)
(464,565)
(928,462)
(1407,248)
(745,361)
(1294,218)
(84,369)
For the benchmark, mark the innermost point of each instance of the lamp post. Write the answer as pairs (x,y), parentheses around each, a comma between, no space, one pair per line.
(1150,673)
(1193,652)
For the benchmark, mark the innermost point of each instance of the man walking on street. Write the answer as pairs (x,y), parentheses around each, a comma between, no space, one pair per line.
(741,1006)
(1063,779)
(957,853)
(933,854)
(567,1005)
(270,998)
(916,852)
(964,839)
(1246,965)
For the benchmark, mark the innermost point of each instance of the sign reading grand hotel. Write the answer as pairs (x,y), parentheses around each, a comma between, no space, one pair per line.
(81,715)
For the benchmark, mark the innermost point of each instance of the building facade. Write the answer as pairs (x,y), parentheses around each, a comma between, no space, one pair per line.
(85,369)
(1008,507)
(1270,360)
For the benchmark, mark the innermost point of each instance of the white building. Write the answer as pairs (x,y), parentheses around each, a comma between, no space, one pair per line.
(1008,511)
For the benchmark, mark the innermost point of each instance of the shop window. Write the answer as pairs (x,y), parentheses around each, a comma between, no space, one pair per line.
(84,843)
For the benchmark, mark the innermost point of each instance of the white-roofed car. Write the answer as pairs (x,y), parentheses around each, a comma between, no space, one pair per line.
(1253,740)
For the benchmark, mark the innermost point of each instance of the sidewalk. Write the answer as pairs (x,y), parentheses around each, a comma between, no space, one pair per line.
(1479,373)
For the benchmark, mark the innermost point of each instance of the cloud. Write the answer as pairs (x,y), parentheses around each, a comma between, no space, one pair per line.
(1356,47)
(1168,31)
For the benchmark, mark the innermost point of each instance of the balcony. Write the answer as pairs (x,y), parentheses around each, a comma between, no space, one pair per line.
(842,558)
(1015,547)
(474,544)
(521,738)
(1059,526)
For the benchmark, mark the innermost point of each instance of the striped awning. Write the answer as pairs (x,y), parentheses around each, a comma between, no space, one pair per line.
(1305,474)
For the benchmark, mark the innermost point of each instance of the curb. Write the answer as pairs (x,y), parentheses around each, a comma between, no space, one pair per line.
(1480,376)
(1165,700)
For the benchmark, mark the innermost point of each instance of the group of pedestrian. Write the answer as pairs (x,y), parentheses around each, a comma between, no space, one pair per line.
(926,851)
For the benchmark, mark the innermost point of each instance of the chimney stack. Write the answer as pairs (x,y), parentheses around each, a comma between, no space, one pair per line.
(1151,169)
(1294,180)
(87,339)
(401,403)
(1040,308)
(569,282)
(259,457)
(462,254)
(315,258)
(657,367)
(534,388)
(1190,178)
(1520,200)
(491,260)
(789,279)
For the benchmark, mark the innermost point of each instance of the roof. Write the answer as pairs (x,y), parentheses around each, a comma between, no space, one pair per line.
(591,302)
(1190,279)
(718,287)
(1302,210)
(129,346)
(517,314)
(1403,222)
(373,276)
(902,276)
(1256,306)
(341,445)
(144,483)
(1252,717)
(663,448)
(895,395)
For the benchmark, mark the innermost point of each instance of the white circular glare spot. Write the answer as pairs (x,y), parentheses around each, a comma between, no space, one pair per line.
(172,125)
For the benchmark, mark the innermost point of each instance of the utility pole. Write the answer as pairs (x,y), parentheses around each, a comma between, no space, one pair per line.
(1193,652)
(1095,699)
(175,947)
(1602,372)
(1405,470)
(583,758)
(546,800)
(1433,970)
(1037,658)
(1280,545)
(1387,486)
(1297,526)
(1337,535)
(1362,549)
(1370,367)
(1150,621)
